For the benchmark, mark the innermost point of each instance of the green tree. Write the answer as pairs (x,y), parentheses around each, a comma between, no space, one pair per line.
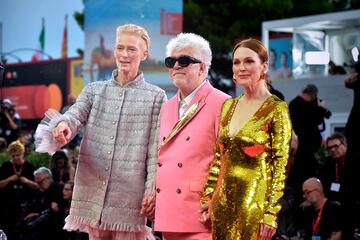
(310,7)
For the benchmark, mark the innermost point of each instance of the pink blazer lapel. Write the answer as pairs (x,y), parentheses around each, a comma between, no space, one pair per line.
(173,111)
(198,99)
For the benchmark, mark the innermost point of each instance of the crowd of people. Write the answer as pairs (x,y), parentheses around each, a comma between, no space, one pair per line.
(201,165)
(35,202)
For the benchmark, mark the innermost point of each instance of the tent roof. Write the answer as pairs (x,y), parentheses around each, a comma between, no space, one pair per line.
(322,22)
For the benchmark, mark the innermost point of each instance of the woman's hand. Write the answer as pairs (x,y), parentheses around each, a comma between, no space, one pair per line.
(55,207)
(24,180)
(205,214)
(31,216)
(13,178)
(62,133)
(148,206)
(351,80)
(266,232)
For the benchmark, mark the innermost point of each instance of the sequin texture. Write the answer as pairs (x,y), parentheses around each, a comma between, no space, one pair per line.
(253,168)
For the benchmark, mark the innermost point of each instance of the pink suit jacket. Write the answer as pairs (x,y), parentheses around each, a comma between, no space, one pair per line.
(184,160)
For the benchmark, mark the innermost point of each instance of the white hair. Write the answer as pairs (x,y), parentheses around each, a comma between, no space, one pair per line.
(44,171)
(198,44)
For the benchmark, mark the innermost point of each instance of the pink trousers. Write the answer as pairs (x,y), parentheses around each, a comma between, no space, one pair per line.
(187,236)
(95,234)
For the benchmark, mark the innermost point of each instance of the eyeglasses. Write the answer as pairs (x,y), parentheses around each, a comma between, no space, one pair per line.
(42,180)
(307,192)
(183,61)
(333,146)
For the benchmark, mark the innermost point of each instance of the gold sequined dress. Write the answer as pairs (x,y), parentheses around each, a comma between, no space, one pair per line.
(253,171)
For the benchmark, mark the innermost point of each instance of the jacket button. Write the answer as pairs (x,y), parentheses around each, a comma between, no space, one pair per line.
(178,191)
(180,164)
(158,190)
(164,138)
(159,164)
(187,138)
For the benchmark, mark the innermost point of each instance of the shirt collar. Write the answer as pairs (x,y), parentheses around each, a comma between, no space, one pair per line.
(188,99)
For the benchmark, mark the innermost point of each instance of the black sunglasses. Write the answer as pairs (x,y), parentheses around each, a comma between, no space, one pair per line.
(183,61)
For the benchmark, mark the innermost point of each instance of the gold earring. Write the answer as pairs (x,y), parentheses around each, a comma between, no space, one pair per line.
(263,75)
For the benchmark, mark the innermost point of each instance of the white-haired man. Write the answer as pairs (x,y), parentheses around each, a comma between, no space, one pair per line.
(188,132)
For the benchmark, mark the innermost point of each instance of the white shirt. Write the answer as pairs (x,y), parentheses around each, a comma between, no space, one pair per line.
(183,104)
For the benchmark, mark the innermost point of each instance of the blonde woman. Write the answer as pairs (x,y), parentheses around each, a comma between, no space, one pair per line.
(118,153)
(16,185)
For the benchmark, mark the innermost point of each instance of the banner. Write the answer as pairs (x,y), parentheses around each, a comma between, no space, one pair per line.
(161,18)
(76,76)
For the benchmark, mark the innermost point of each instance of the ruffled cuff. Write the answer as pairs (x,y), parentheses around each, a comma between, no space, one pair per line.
(44,140)
(270,219)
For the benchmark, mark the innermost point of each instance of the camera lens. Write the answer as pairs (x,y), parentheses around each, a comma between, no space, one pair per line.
(327,113)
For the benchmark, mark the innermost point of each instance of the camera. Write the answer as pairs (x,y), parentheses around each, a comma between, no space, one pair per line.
(10,110)
(7,109)
(327,113)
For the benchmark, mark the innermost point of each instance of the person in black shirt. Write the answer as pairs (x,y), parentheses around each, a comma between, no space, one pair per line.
(320,216)
(43,219)
(10,121)
(332,173)
(61,168)
(16,186)
(307,112)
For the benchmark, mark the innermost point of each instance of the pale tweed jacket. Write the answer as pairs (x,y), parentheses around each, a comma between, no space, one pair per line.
(117,154)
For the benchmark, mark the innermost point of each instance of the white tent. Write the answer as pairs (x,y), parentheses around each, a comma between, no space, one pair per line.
(336,33)
(341,33)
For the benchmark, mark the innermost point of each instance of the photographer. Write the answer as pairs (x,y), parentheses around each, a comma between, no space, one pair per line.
(10,121)
(307,112)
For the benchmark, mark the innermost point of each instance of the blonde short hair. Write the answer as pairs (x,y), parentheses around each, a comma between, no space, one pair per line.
(136,30)
(16,146)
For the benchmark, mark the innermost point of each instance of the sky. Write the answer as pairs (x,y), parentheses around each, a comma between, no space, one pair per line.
(20,27)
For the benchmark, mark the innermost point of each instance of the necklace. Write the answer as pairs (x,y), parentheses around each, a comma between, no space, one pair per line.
(18,172)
